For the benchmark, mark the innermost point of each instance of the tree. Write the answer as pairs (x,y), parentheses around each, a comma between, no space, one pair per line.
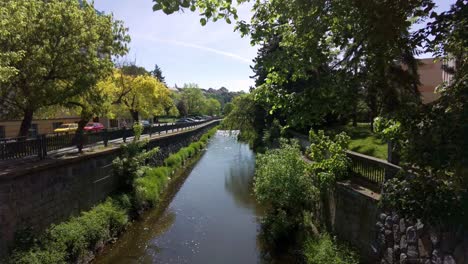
(193,98)
(306,45)
(213,107)
(182,108)
(140,95)
(228,108)
(249,117)
(65,47)
(157,73)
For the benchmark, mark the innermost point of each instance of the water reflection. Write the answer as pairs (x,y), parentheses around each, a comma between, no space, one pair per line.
(211,217)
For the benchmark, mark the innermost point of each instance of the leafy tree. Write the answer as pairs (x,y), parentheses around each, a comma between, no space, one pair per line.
(194,99)
(140,95)
(228,108)
(157,73)
(65,48)
(434,137)
(285,189)
(213,107)
(248,116)
(317,57)
(182,108)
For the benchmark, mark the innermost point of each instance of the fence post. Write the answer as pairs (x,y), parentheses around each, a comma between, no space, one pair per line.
(42,146)
(105,137)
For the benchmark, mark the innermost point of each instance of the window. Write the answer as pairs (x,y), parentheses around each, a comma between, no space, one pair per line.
(56,125)
(114,123)
(34,130)
(2,132)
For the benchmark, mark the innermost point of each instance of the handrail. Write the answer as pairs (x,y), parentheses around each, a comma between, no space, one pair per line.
(17,148)
(372,169)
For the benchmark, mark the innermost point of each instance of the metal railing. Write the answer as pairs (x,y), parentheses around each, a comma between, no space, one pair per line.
(372,169)
(21,147)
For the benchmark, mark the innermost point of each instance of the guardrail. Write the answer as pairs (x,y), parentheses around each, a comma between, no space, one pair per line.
(17,148)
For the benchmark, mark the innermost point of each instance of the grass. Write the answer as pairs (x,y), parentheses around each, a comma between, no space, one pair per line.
(167,120)
(324,250)
(364,141)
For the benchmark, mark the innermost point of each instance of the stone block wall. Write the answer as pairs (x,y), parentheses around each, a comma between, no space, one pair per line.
(34,198)
(402,240)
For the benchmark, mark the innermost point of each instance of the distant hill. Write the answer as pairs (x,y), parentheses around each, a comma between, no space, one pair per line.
(223,95)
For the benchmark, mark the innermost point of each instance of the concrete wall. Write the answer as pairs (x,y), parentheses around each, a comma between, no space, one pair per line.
(351,215)
(49,193)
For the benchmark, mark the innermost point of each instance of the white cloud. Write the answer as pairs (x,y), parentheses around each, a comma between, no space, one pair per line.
(204,48)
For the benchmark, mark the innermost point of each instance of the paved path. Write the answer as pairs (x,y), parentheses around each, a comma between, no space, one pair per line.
(29,163)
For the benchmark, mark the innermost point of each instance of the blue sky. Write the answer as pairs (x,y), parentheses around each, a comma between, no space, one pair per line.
(211,56)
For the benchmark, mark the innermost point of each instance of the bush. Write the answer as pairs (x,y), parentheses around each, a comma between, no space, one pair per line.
(329,160)
(197,146)
(283,187)
(37,256)
(324,250)
(433,198)
(70,240)
(174,161)
(149,187)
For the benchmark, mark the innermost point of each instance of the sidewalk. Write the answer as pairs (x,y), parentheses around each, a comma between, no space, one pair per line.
(31,163)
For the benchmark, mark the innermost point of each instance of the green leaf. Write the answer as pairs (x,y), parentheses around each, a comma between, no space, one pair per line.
(203,21)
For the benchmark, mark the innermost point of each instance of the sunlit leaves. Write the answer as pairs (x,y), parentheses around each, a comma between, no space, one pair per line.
(56,50)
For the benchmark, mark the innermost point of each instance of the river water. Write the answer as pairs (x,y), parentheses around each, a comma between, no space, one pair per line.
(209,214)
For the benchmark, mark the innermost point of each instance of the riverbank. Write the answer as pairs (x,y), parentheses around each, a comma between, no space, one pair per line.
(80,238)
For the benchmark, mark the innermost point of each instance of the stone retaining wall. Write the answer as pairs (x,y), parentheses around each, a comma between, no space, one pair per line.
(404,241)
(36,197)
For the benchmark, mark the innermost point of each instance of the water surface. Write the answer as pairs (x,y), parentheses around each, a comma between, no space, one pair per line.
(209,214)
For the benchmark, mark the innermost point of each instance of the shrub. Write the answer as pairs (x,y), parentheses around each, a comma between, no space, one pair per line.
(324,250)
(174,161)
(432,197)
(197,146)
(330,162)
(37,255)
(282,185)
(149,187)
(70,240)
(133,157)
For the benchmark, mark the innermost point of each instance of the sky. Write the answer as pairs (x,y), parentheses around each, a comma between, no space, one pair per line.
(187,52)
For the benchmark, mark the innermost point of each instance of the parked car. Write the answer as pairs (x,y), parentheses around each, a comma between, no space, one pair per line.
(184,120)
(93,127)
(145,123)
(69,127)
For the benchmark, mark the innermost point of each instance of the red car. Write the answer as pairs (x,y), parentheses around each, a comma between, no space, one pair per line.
(93,127)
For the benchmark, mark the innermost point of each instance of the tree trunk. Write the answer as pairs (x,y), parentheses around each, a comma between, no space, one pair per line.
(135,115)
(26,123)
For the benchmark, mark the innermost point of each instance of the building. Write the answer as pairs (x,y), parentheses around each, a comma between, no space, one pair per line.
(10,128)
(431,75)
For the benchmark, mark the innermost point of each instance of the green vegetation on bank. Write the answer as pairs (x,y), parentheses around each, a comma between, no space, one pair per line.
(364,140)
(324,250)
(80,237)
(293,191)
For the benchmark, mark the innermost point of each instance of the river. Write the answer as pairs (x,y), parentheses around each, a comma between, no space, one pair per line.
(208,215)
